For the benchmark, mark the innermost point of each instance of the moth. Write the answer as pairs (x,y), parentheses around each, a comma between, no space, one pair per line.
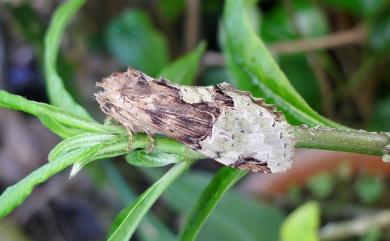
(225,124)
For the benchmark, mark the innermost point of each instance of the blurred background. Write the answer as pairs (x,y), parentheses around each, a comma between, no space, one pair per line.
(335,53)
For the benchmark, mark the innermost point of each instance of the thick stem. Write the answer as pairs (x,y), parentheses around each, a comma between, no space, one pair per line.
(357,141)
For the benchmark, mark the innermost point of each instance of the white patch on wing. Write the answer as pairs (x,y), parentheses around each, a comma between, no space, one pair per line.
(194,95)
(249,130)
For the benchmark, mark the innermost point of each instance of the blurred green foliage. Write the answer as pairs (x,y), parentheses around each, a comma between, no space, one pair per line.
(134,41)
(236,217)
(369,189)
(171,9)
(381,116)
(321,185)
(308,21)
(302,224)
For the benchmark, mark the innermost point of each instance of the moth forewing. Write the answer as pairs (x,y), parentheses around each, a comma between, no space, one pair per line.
(220,122)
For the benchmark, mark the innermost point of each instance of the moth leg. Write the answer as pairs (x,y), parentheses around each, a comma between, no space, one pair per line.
(129,139)
(151,144)
(130,131)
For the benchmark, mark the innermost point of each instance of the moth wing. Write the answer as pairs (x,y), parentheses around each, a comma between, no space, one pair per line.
(185,122)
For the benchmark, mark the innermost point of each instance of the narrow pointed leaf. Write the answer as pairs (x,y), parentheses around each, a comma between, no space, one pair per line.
(128,219)
(255,70)
(183,70)
(58,120)
(57,93)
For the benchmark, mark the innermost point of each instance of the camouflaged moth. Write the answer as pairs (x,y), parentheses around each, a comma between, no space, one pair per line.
(220,122)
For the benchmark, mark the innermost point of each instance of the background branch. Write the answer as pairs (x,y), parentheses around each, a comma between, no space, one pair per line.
(357,35)
(356,227)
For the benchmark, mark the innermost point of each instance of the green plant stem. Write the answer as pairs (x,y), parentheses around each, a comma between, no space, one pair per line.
(163,144)
(357,141)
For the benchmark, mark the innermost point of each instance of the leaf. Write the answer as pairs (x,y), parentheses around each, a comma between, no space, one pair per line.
(128,219)
(207,202)
(150,228)
(76,142)
(241,218)
(370,189)
(132,40)
(171,9)
(308,18)
(152,159)
(60,121)
(109,148)
(14,195)
(184,69)
(302,77)
(379,31)
(357,7)
(381,115)
(372,235)
(216,75)
(250,220)
(56,127)
(302,224)
(321,185)
(29,24)
(55,87)
(255,70)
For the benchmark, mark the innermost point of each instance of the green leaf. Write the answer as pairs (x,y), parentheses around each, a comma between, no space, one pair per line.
(171,9)
(109,148)
(84,152)
(370,189)
(308,18)
(372,235)
(150,228)
(255,70)
(379,31)
(61,122)
(302,77)
(128,219)
(251,220)
(357,7)
(14,195)
(55,87)
(29,24)
(241,218)
(381,116)
(132,39)
(216,75)
(152,159)
(208,202)
(302,224)
(183,71)
(76,142)
(321,185)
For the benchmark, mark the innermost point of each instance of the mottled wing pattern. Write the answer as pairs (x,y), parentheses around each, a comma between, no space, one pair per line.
(142,100)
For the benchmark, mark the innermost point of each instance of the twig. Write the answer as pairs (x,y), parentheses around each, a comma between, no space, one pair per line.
(356,227)
(212,58)
(357,35)
(347,37)
(192,24)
